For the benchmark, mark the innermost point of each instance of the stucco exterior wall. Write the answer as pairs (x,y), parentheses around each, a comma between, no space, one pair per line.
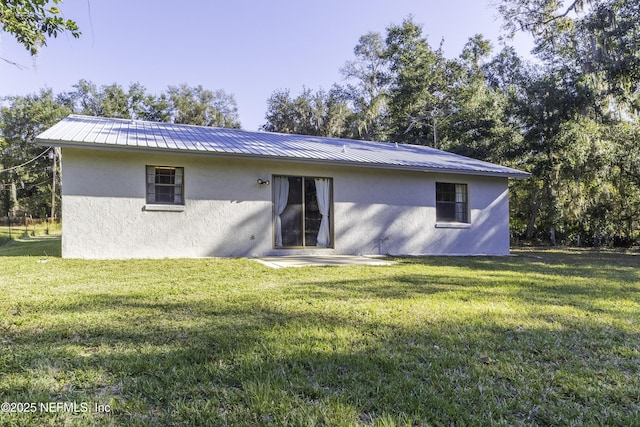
(227,213)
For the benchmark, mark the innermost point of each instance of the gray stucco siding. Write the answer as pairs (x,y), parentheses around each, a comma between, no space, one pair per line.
(226,213)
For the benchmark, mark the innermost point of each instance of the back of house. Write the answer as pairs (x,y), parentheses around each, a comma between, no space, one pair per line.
(133,189)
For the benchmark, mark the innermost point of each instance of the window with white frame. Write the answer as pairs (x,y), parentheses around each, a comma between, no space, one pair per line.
(451,202)
(165,185)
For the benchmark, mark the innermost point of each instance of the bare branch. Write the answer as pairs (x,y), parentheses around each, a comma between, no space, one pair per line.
(571,7)
(526,16)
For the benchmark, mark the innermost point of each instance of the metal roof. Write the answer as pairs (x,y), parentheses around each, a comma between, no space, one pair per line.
(122,134)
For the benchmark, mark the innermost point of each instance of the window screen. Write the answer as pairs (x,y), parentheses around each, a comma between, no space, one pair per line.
(451,202)
(165,185)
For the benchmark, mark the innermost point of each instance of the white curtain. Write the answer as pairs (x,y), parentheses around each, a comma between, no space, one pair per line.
(177,196)
(323,192)
(461,202)
(280,197)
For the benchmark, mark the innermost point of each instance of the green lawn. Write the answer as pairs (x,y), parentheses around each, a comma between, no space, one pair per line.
(542,338)
(25,236)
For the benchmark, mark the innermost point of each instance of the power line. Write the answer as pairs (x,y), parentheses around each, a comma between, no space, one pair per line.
(26,163)
(24,187)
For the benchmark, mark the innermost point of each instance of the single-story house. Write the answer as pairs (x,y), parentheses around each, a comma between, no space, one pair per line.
(135,189)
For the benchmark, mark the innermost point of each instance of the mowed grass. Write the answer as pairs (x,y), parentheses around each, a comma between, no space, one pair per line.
(542,338)
(33,240)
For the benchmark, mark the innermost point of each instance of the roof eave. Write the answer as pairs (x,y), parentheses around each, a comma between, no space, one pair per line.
(511,173)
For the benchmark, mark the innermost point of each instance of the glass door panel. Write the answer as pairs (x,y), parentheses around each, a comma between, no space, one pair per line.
(299,221)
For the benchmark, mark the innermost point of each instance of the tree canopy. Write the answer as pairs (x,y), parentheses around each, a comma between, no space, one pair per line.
(26,175)
(570,118)
(31,22)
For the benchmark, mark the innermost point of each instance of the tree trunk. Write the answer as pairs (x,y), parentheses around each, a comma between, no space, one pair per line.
(533,215)
(13,198)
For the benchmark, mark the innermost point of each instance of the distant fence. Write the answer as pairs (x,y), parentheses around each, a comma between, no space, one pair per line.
(21,225)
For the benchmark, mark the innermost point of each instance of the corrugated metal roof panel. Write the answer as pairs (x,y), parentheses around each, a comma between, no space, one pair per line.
(99,132)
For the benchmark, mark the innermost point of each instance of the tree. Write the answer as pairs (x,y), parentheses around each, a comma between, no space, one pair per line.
(606,43)
(579,118)
(479,126)
(26,177)
(32,21)
(542,18)
(321,113)
(199,106)
(179,104)
(106,101)
(144,106)
(27,188)
(420,99)
(546,104)
(600,37)
(114,101)
(369,92)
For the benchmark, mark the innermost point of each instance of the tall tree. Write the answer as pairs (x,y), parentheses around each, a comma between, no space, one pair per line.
(27,188)
(599,36)
(420,100)
(368,87)
(479,126)
(200,106)
(178,104)
(318,113)
(109,100)
(587,103)
(106,101)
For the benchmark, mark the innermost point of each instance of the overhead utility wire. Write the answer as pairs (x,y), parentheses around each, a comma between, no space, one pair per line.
(26,163)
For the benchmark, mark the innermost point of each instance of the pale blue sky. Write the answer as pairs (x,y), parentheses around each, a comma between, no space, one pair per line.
(248,48)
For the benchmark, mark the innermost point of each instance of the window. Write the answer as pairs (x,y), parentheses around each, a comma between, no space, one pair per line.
(165,185)
(302,210)
(451,202)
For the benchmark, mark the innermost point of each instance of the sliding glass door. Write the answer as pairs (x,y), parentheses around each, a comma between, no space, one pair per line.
(302,211)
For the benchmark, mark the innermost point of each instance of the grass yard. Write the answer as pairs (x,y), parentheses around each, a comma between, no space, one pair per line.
(544,338)
(47,232)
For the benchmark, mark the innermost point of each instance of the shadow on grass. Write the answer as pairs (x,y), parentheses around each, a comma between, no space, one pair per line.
(338,351)
(596,283)
(578,278)
(575,263)
(32,246)
(251,363)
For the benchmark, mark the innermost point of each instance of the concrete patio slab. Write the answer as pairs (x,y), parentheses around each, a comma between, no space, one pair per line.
(320,261)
